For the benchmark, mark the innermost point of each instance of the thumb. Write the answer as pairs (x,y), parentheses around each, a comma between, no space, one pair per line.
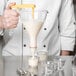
(10,5)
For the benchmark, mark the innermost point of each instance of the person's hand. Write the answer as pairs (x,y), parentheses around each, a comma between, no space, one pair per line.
(10,17)
(65,53)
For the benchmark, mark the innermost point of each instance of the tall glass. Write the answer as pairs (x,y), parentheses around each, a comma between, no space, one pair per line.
(74,65)
(33,23)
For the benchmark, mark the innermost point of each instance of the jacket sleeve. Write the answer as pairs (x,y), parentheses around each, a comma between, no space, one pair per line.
(67,25)
(2,7)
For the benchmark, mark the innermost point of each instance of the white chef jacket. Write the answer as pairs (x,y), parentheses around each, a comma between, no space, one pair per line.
(57,33)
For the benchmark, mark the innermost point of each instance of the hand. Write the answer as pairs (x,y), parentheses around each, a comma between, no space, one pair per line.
(10,17)
(65,53)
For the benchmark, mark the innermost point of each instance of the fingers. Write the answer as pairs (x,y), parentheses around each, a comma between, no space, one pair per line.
(11,17)
(9,13)
(7,27)
(11,22)
(10,25)
(10,5)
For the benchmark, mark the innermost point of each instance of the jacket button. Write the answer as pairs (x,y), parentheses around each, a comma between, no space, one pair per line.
(45,28)
(74,23)
(44,46)
(24,45)
(24,28)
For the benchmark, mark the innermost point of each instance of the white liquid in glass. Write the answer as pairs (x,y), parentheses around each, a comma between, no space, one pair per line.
(33,62)
(33,27)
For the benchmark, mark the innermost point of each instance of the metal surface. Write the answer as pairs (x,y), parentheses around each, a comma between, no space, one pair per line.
(13,63)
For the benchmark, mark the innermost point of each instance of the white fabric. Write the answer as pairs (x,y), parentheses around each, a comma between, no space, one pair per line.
(60,14)
(2,6)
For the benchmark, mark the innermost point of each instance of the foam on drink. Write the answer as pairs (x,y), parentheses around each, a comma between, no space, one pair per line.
(33,62)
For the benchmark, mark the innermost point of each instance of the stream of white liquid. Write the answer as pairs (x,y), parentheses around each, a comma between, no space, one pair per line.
(33,27)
